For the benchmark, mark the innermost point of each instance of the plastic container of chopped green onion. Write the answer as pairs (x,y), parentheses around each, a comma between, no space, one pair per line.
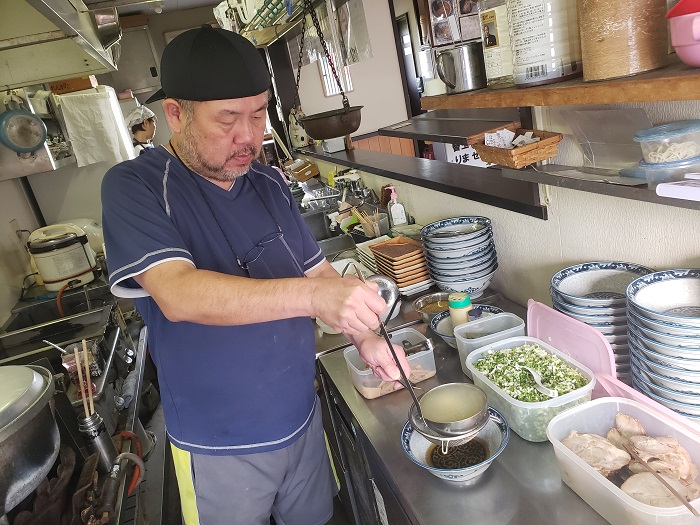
(496,369)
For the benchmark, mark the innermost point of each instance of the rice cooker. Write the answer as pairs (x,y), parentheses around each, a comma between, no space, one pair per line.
(62,254)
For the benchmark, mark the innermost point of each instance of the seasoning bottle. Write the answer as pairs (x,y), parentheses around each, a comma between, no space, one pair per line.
(396,211)
(460,304)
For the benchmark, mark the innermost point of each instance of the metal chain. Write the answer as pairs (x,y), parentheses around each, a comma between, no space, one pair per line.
(297,101)
(317,25)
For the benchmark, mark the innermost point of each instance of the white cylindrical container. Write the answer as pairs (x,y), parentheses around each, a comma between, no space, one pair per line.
(498,55)
(545,41)
(62,254)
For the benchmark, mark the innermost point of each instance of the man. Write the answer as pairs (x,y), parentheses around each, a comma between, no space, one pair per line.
(489,39)
(142,123)
(226,275)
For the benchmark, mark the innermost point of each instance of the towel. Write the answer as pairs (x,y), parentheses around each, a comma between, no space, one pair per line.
(96,128)
(129,387)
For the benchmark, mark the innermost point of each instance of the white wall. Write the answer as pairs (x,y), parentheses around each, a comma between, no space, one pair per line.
(376,82)
(581,227)
(15,261)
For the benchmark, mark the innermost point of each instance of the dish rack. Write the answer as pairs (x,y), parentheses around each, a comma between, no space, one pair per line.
(521,156)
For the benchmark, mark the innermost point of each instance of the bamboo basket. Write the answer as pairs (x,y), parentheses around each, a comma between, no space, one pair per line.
(521,156)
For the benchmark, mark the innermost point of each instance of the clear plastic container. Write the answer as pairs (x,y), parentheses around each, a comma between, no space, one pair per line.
(529,420)
(670,142)
(485,331)
(669,171)
(370,386)
(597,417)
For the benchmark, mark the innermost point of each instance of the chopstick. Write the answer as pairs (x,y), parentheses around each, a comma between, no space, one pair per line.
(658,476)
(367,221)
(89,380)
(80,381)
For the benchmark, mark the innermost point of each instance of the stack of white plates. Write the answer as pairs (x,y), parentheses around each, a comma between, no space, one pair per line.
(365,255)
(663,309)
(594,293)
(460,254)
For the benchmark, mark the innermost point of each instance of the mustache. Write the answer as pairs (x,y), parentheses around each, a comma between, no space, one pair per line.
(246,150)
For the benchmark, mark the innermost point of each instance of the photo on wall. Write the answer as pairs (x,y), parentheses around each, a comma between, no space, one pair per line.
(489,29)
(443,21)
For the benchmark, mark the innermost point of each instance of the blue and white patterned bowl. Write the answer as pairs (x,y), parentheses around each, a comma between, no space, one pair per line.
(661,348)
(685,409)
(465,268)
(659,326)
(591,319)
(468,226)
(586,310)
(667,393)
(467,241)
(597,283)
(672,340)
(670,372)
(660,380)
(495,435)
(669,296)
(456,252)
(662,359)
(465,275)
(458,263)
(474,287)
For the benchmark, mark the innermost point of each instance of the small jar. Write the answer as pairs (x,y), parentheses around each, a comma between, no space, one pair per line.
(460,304)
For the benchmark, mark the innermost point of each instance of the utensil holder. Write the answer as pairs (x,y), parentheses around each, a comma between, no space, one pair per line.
(523,155)
(98,440)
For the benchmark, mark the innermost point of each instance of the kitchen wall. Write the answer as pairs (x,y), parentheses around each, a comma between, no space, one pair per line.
(581,227)
(15,261)
(376,82)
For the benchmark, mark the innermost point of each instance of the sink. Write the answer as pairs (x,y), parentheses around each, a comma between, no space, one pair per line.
(336,245)
(318,223)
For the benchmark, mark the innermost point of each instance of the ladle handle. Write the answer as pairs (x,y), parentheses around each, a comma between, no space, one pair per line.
(382,329)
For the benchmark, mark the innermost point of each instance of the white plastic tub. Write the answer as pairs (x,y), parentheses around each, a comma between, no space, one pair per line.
(485,331)
(529,420)
(597,417)
(370,386)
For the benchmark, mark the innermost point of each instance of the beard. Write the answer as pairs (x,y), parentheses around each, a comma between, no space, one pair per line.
(191,154)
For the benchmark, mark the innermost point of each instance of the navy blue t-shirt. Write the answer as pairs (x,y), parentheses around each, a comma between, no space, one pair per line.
(224,389)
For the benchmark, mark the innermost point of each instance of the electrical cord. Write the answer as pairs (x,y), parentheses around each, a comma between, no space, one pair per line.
(65,287)
(25,289)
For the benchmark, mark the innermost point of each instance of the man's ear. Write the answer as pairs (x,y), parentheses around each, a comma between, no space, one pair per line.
(174,115)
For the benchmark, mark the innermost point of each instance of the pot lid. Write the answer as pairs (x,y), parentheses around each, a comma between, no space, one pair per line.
(20,388)
(53,243)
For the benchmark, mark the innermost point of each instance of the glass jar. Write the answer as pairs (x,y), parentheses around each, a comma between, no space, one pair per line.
(545,41)
(498,55)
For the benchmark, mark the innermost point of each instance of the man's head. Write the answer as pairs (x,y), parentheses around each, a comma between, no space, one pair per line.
(215,85)
(486,31)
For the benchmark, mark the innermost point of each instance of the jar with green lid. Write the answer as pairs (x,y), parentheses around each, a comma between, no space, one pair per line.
(460,304)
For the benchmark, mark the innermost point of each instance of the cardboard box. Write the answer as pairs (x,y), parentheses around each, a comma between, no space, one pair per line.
(301,170)
(61,87)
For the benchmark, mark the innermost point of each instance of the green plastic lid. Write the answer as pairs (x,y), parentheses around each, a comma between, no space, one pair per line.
(459,300)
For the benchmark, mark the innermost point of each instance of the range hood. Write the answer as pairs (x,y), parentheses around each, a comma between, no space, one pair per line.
(47,40)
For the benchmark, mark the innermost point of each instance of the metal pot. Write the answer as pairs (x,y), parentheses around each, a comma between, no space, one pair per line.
(462,67)
(29,437)
(20,130)
(332,124)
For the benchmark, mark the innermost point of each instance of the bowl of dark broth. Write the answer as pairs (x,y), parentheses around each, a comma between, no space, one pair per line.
(462,463)
(428,306)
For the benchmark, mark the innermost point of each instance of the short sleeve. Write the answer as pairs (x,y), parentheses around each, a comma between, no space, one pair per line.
(138,231)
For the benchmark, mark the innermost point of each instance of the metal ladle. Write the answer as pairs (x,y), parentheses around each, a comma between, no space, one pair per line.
(388,289)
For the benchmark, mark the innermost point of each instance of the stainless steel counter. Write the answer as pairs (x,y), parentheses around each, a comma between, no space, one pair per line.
(522,486)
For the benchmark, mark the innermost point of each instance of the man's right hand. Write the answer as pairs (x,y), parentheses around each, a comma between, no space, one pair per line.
(347,304)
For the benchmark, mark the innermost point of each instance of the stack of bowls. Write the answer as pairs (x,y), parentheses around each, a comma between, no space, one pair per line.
(663,309)
(594,293)
(460,254)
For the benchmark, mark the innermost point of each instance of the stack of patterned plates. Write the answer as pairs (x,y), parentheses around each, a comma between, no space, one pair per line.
(460,254)
(663,310)
(594,293)
(402,260)
(365,255)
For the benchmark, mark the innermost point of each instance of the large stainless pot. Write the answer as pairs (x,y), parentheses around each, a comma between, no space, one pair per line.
(29,437)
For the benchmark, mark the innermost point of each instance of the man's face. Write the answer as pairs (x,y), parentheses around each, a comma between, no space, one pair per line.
(486,30)
(223,137)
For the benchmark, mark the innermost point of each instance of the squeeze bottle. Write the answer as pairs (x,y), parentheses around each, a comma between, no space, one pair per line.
(397,213)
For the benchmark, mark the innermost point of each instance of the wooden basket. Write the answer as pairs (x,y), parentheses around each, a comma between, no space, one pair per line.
(524,155)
